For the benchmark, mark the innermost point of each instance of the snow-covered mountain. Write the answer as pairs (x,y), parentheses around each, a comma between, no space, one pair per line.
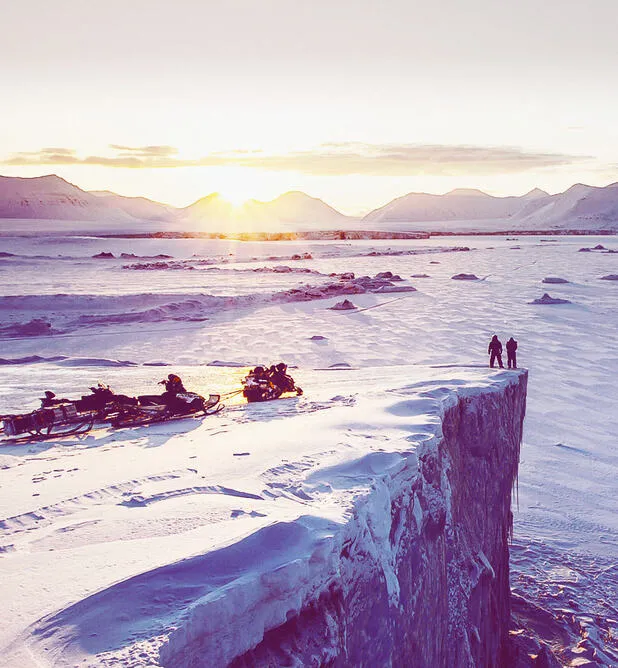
(50,197)
(138,207)
(579,207)
(53,198)
(460,204)
(290,211)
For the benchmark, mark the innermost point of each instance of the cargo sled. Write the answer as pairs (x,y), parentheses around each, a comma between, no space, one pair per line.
(46,423)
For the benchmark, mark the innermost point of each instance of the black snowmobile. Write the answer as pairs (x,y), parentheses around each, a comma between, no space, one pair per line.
(172,404)
(265,384)
(103,401)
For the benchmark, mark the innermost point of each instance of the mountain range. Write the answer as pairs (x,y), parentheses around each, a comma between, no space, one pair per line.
(581,207)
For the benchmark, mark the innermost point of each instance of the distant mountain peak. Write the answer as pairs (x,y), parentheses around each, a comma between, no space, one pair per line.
(535,193)
(466,192)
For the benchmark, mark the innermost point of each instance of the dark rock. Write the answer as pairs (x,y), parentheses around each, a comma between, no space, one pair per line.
(318,337)
(345,305)
(104,256)
(547,299)
(554,279)
(610,277)
(465,277)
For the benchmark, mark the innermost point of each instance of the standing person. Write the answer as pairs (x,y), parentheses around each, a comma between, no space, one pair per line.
(511,354)
(495,352)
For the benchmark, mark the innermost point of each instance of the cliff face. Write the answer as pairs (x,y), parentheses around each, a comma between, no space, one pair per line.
(417,576)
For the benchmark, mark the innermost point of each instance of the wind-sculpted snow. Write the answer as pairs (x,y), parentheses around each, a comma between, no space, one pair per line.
(71,312)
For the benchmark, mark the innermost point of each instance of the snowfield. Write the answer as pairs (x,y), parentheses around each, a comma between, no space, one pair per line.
(80,515)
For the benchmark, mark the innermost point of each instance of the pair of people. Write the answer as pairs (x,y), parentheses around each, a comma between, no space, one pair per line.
(268,383)
(495,352)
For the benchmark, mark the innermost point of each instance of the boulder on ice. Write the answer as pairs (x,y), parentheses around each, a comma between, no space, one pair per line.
(465,277)
(345,305)
(548,299)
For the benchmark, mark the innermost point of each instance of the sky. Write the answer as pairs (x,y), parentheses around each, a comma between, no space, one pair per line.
(355,102)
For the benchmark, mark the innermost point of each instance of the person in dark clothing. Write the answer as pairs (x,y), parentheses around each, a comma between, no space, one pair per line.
(511,354)
(50,400)
(279,377)
(258,385)
(173,385)
(495,352)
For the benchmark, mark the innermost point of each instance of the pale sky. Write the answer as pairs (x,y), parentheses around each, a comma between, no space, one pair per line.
(353,102)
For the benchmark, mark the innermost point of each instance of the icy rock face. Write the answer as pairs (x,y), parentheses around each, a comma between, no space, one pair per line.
(427,587)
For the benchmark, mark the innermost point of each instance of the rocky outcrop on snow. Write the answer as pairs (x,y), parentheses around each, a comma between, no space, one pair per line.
(554,279)
(417,575)
(73,312)
(35,327)
(465,277)
(610,277)
(548,299)
(345,305)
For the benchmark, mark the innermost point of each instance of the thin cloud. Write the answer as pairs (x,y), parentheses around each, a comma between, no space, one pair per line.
(145,151)
(332,159)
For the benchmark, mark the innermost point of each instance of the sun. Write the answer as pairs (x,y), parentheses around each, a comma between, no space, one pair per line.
(236,197)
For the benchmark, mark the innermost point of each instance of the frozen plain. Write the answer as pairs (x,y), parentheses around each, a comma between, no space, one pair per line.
(566,532)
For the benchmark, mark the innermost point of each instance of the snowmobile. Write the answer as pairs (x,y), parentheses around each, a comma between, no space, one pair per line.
(161,408)
(103,401)
(264,385)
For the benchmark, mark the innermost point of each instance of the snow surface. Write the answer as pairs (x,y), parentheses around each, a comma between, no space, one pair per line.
(83,514)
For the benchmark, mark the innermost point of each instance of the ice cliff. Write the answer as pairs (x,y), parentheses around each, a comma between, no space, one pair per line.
(417,572)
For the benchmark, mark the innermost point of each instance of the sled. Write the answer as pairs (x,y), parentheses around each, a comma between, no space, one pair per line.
(46,423)
(257,395)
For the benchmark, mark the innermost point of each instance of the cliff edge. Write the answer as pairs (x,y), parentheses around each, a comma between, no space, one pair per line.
(419,575)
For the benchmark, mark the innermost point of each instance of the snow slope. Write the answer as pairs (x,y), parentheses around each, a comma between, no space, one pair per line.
(50,197)
(250,503)
(565,531)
